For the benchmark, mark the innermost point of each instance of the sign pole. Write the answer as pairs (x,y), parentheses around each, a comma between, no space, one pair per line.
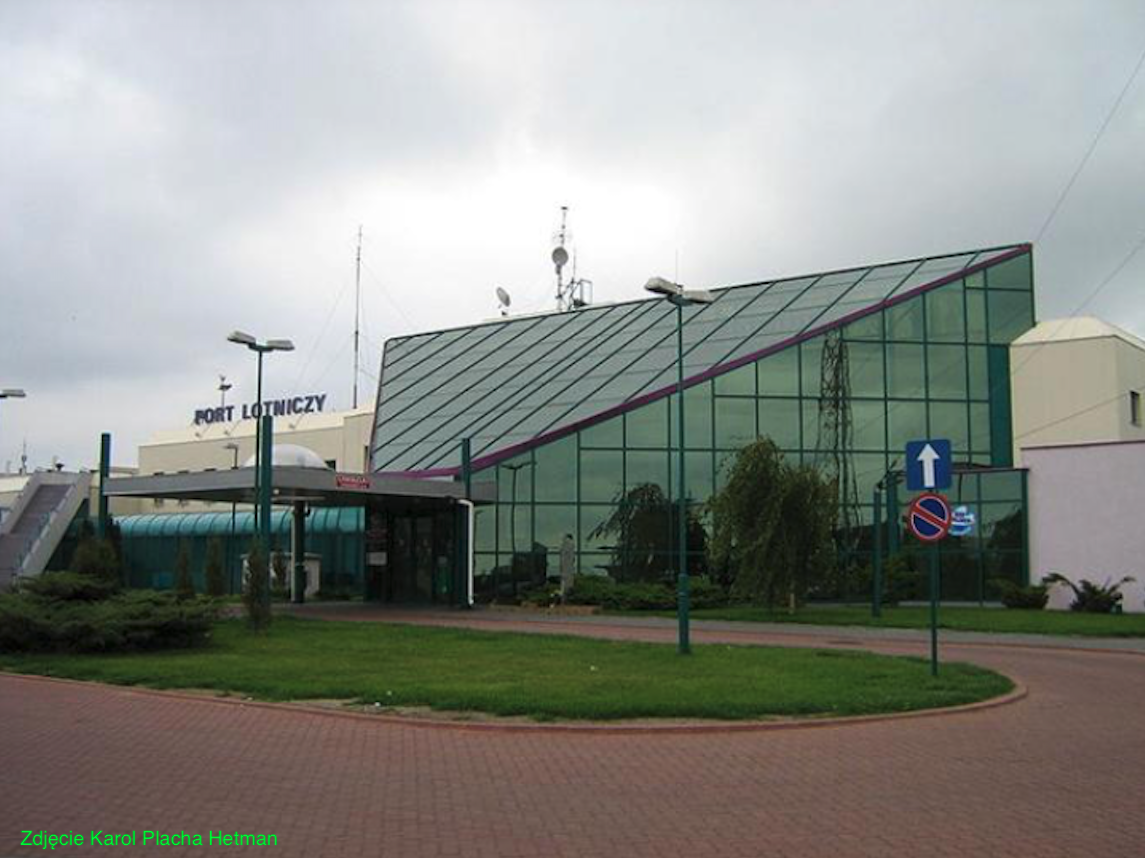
(934,585)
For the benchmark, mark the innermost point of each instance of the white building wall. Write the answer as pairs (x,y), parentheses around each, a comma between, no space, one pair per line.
(1085,503)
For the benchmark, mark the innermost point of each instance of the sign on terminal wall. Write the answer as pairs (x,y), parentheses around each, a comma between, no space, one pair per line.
(312,403)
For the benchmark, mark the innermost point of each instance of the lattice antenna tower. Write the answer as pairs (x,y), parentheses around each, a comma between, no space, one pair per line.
(577,291)
(834,448)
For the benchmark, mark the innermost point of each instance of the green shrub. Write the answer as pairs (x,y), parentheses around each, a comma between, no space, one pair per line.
(68,587)
(603,591)
(256,595)
(1031,598)
(97,558)
(184,581)
(128,621)
(1089,597)
(214,572)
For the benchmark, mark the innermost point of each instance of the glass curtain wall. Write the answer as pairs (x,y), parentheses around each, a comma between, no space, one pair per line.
(933,365)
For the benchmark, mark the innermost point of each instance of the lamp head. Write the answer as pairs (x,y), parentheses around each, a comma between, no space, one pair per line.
(241,337)
(12,393)
(663,287)
(280,345)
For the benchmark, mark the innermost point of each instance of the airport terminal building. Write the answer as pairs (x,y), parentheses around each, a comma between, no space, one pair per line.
(570,417)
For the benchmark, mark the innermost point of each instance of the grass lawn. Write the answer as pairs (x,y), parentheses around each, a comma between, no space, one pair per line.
(964,619)
(543,677)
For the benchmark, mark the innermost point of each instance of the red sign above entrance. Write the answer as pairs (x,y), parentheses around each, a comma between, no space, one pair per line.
(352,481)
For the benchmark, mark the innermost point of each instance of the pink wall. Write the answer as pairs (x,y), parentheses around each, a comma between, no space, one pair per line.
(1087,515)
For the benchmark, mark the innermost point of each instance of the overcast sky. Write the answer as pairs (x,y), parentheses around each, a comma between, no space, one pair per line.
(171,171)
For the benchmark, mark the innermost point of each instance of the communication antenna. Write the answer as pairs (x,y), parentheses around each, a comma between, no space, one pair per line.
(24,457)
(357,310)
(224,386)
(570,295)
(503,300)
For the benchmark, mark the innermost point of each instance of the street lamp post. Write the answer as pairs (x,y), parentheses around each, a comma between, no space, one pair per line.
(12,393)
(234,448)
(681,298)
(244,339)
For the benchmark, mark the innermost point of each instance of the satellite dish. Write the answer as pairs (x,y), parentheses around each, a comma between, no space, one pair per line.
(503,297)
(560,257)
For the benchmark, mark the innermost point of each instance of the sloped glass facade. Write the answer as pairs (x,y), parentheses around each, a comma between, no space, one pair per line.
(926,345)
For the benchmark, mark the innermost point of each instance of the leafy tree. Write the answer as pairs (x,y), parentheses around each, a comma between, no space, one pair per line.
(773,526)
(184,581)
(215,573)
(644,524)
(257,589)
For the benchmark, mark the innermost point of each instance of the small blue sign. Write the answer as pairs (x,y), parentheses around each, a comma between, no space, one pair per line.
(962,522)
(928,465)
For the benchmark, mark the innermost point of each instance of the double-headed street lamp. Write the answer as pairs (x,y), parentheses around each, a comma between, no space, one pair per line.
(245,339)
(12,393)
(681,298)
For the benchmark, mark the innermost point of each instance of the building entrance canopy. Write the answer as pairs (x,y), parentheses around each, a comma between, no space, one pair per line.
(291,485)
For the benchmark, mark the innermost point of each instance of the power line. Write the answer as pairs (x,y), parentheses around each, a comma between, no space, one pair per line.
(1092,147)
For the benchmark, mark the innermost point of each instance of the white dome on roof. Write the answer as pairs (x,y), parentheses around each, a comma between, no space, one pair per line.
(292,456)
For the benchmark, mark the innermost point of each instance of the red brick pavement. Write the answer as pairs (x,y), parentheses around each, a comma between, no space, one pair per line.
(1061,773)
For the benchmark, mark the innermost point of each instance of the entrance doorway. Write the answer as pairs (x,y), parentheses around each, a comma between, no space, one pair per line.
(412,556)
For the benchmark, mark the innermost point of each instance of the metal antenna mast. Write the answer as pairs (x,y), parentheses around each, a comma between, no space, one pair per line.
(835,444)
(357,310)
(570,295)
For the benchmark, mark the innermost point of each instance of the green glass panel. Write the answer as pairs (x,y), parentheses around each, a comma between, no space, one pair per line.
(601,475)
(905,371)
(515,479)
(1001,428)
(1001,486)
(647,426)
(552,522)
(698,477)
(945,316)
(644,467)
(1002,525)
(812,415)
(811,363)
(779,421)
(697,417)
(867,328)
(485,528)
(610,433)
(594,517)
(951,420)
(976,316)
(979,372)
(868,419)
(1011,315)
(555,470)
(870,468)
(779,374)
(980,428)
(865,361)
(514,527)
(904,322)
(1013,274)
(976,280)
(735,422)
(906,421)
(946,368)
(737,382)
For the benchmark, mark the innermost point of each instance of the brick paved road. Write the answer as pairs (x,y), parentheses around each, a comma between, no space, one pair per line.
(1061,773)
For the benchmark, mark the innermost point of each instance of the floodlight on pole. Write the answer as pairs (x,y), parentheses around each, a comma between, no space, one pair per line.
(681,298)
(242,338)
(12,393)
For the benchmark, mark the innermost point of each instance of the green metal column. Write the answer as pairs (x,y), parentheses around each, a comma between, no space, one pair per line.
(298,549)
(461,524)
(877,559)
(266,466)
(683,644)
(102,520)
(894,515)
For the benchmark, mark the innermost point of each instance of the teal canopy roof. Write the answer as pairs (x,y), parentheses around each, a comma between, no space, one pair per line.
(516,382)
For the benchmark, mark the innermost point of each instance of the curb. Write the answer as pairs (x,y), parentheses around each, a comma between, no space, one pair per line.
(1019,692)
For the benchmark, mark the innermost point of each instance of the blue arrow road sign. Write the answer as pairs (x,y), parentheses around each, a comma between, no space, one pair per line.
(927,465)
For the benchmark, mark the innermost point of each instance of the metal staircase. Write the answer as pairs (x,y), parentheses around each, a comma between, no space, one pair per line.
(38,521)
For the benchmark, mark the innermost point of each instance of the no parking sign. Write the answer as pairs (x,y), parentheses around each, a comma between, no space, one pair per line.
(929,517)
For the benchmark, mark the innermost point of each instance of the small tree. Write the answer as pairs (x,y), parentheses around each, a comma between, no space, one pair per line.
(215,573)
(772,526)
(184,581)
(97,558)
(257,589)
